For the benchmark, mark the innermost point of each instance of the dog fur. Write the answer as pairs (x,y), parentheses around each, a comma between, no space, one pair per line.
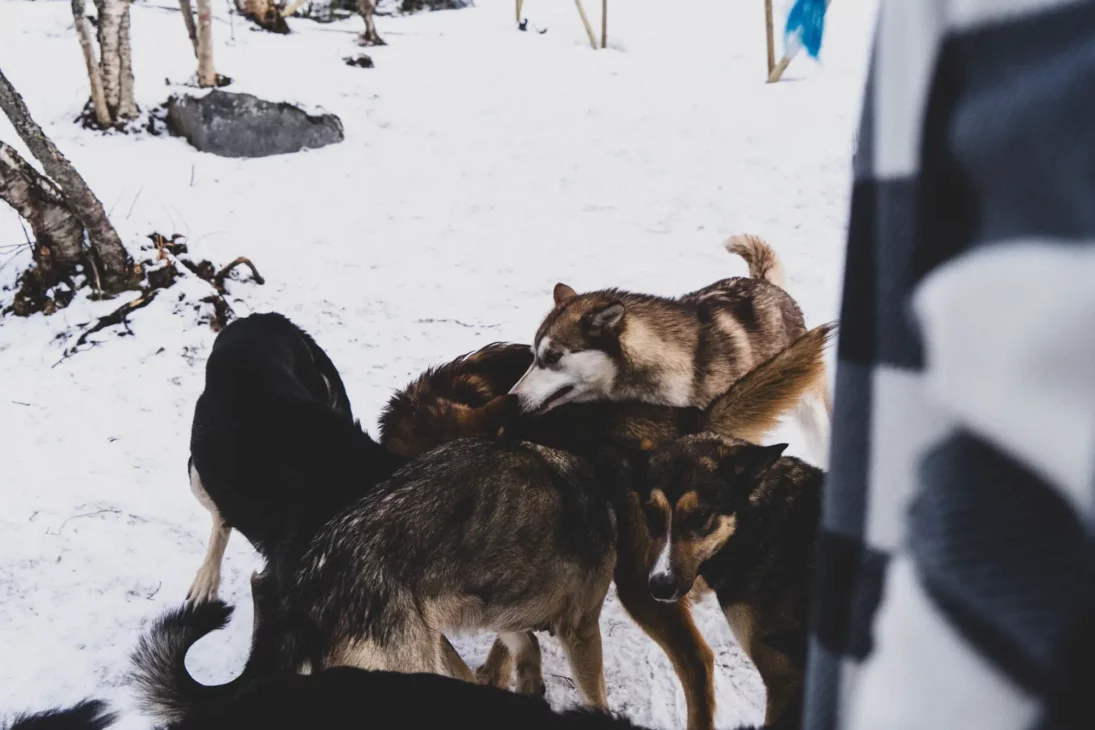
(744,519)
(86,715)
(459,399)
(618,345)
(274,447)
(751,407)
(476,534)
(339,698)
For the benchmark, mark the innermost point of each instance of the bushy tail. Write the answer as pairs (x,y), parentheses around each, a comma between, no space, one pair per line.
(163,686)
(762,260)
(753,405)
(86,715)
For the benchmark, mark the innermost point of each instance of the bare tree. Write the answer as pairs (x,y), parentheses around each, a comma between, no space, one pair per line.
(111,74)
(109,259)
(207,75)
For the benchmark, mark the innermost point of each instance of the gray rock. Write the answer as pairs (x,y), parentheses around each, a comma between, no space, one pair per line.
(242,125)
(414,6)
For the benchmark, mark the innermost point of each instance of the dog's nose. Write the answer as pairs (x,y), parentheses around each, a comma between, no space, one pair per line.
(663,587)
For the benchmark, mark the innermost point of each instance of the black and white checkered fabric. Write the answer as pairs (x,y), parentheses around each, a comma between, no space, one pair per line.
(956,578)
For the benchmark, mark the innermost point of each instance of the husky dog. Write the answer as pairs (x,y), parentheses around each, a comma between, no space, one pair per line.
(339,698)
(744,519)
(750,408)
(274,449)
(617,345)
(86,715)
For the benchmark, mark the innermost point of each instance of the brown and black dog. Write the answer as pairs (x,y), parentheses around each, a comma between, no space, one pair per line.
(458,399)
(744,519)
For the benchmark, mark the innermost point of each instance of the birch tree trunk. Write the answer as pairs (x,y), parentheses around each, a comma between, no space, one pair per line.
(94,74)
(127,105)
(114,263)
(110,57)
(188,18)
(370,37)
(207,74)
(58,234)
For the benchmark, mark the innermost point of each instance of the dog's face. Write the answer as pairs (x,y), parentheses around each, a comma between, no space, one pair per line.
(574,351)
(692,493)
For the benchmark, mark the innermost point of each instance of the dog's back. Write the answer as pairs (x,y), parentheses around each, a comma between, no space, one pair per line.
(273,437)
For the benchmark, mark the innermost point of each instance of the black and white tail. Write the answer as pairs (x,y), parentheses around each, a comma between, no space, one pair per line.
(86,715)
(163,686)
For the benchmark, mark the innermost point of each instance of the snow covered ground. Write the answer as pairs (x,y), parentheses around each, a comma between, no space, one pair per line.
(481,166)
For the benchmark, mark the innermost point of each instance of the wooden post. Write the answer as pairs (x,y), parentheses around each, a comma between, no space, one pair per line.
(604,23)
(771,36)
(585,22)
(776,73)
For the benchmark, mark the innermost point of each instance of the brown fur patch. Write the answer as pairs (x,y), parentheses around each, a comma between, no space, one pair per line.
(460,399)
(754,404)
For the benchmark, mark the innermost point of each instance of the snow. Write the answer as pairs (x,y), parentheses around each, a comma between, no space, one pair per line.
(481,165)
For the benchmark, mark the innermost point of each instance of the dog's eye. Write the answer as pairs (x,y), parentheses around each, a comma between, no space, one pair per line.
(551,357)
(701,521)
(655,518)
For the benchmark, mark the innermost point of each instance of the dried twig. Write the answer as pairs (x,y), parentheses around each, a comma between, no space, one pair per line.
(86,514)
(220,276)
(118,315)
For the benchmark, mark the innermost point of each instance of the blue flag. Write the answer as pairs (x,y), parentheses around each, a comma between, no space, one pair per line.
(805,24)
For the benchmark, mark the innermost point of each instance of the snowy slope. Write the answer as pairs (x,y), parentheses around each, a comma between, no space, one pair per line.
(481,165)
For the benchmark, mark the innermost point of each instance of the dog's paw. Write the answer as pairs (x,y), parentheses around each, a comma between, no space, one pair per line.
(530,681)
(493,676)
(205,585)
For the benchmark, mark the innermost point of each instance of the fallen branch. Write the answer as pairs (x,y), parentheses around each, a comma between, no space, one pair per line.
(118,316)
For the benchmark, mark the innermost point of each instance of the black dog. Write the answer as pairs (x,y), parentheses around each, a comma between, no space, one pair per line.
(274,448)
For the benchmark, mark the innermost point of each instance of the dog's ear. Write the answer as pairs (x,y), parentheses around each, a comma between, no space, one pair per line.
(605,320)
(749,462)
(499,412)
(563,294)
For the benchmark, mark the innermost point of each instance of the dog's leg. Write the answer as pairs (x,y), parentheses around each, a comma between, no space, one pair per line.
(583,648)
(525,650)
(497,670)
(672,627)
(208,580)
(455,665)
(782,678)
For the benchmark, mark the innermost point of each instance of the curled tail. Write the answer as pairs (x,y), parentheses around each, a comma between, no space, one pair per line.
(762,260)
(86,715)
(757,400)
(163,686)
